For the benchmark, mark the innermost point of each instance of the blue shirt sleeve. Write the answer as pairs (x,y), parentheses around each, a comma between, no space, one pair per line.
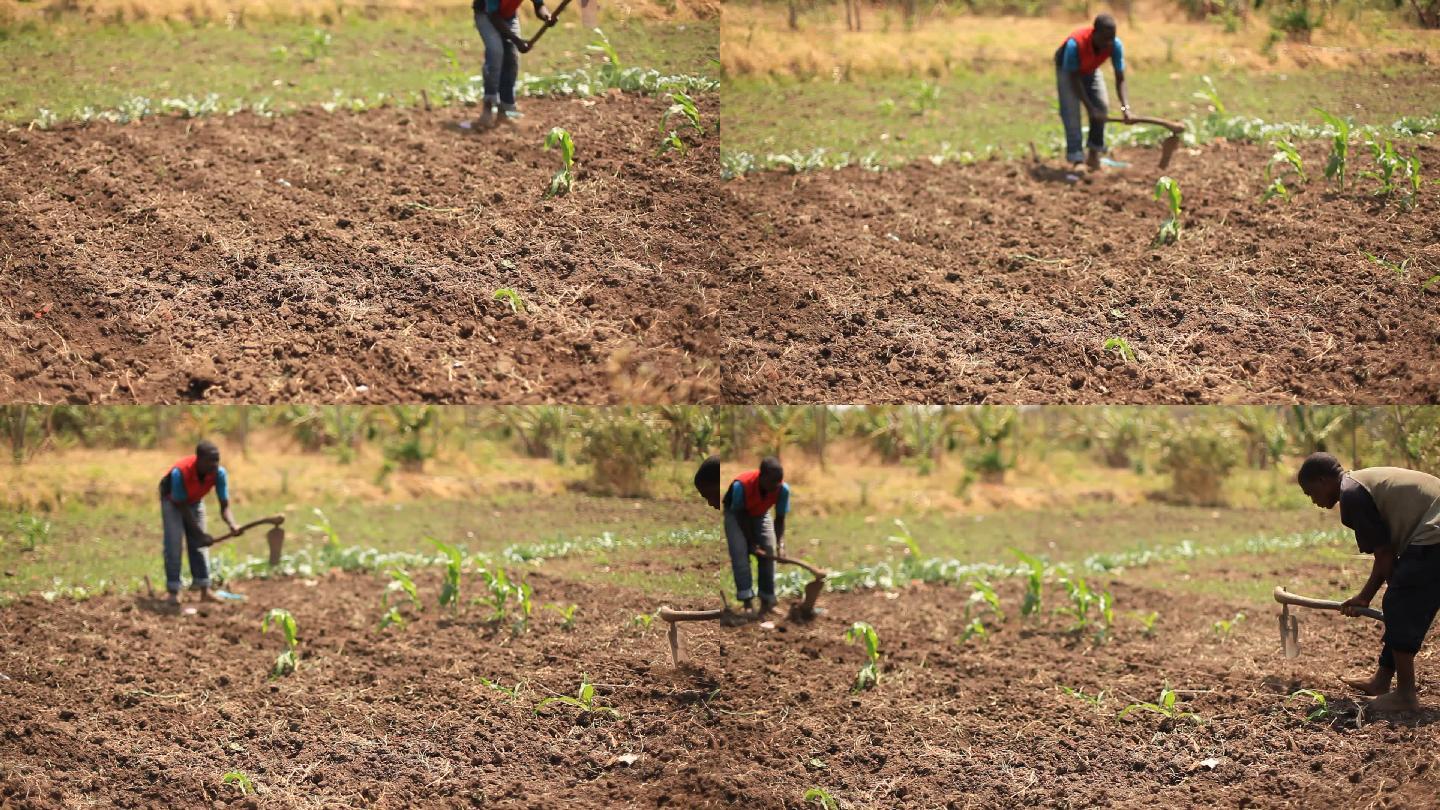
(782,505)
(222,485)
(737,497)
(177,487)
(1070,62)
(1117,55)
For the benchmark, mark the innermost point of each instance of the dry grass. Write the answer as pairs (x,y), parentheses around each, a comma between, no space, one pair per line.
(236,11)
(756,41)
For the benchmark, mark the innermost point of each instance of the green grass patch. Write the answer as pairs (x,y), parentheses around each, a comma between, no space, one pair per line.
(290,64)
(900,119)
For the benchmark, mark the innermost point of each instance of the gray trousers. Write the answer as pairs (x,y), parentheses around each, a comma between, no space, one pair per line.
(1094,88)
(174,525)
(764,530)
(502,61)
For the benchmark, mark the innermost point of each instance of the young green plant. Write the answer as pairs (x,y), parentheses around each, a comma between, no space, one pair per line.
(567,615)
(1320,706)
(1034,582)
(1147,623)
(1286,158)
(287,662)
(450,587)
(1095,700)
(584,700)
(1223,628)
(240,780)
(512,299)
(1119,346)
(1168,192)
(821,798)
(1336,166)
(400,586)
(869,674)
(1165,707)
(564,179)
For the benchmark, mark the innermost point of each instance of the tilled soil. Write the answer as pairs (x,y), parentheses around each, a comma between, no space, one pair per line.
(354,257)
(1002,282)
(111,702)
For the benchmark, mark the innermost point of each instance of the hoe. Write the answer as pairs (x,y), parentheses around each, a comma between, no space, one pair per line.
(1168,146)
(802,611)
(1290,625)
(524,45)
(276,535)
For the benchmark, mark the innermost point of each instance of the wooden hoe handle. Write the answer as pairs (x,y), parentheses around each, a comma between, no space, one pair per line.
(1284,597)
(273,520)
(1174,126)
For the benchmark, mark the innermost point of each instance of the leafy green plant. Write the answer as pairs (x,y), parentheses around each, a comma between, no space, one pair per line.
(1095,700)
(643,620)
(1147,623)
(682,105)
(821,797)
(564,179)
(869,674)
(287,662)
(32,531)
(1034,582)
(974,628)
(1286,159)
(1387,164)
(927,98)
(400,585)
(1414,180)
(1119,346)
(503,590)
(672,142)
(584,700)
(601,45)
(1338,162)
(1224,627)
(322,525)
(1209,94)
(567,615)
(317,45)
(1165,707)
(1320,706)
(1168,192)
(512,692)
(985,592)
(240,780)
(450,587)
(512,298)
(1084,600)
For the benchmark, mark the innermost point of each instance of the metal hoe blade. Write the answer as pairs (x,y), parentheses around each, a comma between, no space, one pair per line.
(1289,633)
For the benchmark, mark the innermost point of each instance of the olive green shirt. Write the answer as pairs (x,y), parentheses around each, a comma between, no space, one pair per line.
(1409,502)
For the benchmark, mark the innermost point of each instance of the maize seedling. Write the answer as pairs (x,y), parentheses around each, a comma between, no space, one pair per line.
(512,298)
(1119,346)
(1168,192)
(567,615)
(1165,707)
(1336,166)
(584,700)
(240,780)
(1223,628)
(1094,700)
(821,797)
(1147,623)
(1034,582)
(287,661)
(1286,155)
(869,674)
(564,179)
(1321,706)
(450,588)
(512,692)
(401,584)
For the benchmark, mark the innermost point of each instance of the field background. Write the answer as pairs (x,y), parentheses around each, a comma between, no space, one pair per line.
(979,76)
(63,56)
(969,483)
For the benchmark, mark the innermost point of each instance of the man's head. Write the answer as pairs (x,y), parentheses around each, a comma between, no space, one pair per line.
(1320,476)
(207,458)
(707,481)
(771,474)
(1104,32)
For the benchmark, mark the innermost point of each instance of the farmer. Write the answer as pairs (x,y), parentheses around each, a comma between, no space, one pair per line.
(707,481)
(494,19)
(749,529)
(1077,74)
(1395,514)
(182,512)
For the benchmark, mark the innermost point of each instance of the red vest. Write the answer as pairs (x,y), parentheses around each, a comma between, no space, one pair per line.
(196,488)
(756,504)
(1090,59)
(509,8)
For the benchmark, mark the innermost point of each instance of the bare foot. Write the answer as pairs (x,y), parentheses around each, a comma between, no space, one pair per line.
(1374,687)
(1397,701)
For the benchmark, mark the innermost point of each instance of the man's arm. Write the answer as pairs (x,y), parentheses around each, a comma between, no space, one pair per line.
(222,491)
(780,534)
(1379,573)
(1118,57)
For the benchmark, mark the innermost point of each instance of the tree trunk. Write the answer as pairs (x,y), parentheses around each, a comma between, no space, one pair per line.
(794,16)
